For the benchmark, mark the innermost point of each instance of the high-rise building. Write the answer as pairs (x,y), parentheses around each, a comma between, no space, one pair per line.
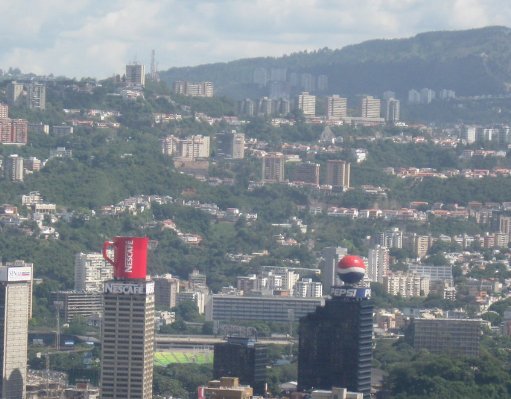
(19,131)
(128,340)
(135,74)
(200,89)
(243,358)
(4,111)
(36,96)
(306,288)
(15,299)
(392,238)
(231,145)
(335,346)
(14,168)
(190,148)
(336,107)
(307,103)
(166,289)
(338,173)
(265,106)
(73,304)
(91,271)
(406,284)
(377,263)
(414,97)
(392,108)
(14,92)
(27,268)
(330,257)
(306,172)
(370,107)
(247,107)
(448,337)
(273,167)
(427,96)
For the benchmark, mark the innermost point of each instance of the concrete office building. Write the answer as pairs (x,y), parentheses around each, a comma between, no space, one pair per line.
(73,304)
(36,96)
(15,297)
(26,266)
(128,340)
(135,75)
(306,172)
(267,308)
(273,167)
(230,145)
(336,107)
(166,289)
(459,337)
(91,271)
(370,107)
(338,173)
(14,168)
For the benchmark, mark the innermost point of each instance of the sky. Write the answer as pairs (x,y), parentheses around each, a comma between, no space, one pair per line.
(97,38)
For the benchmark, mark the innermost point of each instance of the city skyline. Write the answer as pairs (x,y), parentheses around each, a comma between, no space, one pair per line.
(77,34)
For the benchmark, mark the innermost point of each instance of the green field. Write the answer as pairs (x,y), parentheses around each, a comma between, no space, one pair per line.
(164,358)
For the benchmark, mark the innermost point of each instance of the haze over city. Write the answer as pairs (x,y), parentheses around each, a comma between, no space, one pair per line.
(96,38)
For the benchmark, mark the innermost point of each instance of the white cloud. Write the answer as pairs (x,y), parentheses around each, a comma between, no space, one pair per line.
(96,37)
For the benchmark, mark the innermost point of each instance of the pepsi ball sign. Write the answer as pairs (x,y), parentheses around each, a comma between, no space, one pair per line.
(351,269)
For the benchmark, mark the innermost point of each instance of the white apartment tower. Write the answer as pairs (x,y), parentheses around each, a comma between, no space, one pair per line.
(307,103)
(377,263)
(91,271)
(336,107)
(370,107)
(15,297)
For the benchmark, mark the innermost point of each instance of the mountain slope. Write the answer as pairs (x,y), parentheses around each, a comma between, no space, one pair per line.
(476,61)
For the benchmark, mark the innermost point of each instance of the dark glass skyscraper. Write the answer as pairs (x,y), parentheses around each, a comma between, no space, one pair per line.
(335,346)
(242,358)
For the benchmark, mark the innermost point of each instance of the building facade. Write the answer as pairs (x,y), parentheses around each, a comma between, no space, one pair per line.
(337,107)
(91,271)
(307,104)
(338,173)
(335,346)
(166,289)
(268,308)
(135,75)
(15,299)
(460,337)
(273,167)
(128,340)
(370,107)
(243,358)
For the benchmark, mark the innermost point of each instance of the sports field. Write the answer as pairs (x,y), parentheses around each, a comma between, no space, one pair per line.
(198,357)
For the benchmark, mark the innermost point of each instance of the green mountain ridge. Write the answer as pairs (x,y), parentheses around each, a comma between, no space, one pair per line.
(471,62)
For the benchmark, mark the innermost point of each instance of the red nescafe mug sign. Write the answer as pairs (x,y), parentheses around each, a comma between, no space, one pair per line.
(130,257)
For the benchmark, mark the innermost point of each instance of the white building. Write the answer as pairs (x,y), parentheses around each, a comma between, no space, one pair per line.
(377,263)
(307,103)
(91,271)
